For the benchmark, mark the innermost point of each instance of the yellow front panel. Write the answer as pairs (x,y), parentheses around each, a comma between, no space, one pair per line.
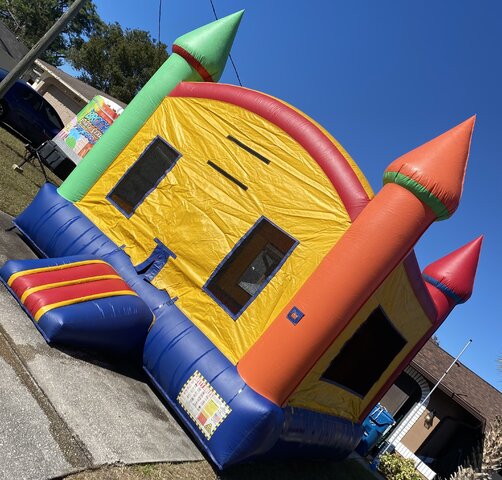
(200,215)
(398,300)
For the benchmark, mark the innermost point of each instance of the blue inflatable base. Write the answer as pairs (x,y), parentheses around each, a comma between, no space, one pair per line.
(176,352)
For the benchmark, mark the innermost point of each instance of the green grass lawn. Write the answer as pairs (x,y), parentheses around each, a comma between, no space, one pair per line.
(17,189)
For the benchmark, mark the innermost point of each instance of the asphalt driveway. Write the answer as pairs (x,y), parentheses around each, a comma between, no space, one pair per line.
(64,411)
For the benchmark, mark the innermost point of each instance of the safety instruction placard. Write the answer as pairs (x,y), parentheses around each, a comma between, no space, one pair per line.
(205,407)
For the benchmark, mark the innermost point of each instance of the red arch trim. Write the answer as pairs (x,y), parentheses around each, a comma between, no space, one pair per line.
(307,134)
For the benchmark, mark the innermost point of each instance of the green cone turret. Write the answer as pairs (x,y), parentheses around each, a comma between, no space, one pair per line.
(209,46)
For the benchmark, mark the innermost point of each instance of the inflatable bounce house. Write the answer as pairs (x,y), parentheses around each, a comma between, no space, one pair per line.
(233,241)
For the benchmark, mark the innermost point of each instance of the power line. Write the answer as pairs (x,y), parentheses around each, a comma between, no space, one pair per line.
(160,18)
(158,36)
(214,10)
(229,55)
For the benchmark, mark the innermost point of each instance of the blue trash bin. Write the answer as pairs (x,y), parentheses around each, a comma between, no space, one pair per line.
(375,425)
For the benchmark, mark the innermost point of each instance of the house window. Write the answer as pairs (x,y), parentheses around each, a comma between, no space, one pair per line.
(252,263)
(144,176)
(366,355)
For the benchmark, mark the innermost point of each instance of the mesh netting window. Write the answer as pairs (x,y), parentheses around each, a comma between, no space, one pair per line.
(146,173)
(249,267)
(366,355)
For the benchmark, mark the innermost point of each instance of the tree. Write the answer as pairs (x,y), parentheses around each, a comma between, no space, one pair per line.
(29,20)
(489,461)
(464,473)
(118,62)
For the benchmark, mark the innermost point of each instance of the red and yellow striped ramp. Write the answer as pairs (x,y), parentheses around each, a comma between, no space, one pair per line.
(75,300)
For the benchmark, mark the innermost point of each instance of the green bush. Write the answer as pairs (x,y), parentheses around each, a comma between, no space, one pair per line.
(395,467)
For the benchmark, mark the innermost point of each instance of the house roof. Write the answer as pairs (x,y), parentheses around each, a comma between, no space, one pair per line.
(17,50)
(461,384)
(10,44)
(82,89)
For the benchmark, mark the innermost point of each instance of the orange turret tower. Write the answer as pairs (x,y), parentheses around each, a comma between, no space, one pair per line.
(420,187)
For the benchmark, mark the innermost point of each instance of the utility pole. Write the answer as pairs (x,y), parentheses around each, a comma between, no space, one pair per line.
(39,47)
(426,399)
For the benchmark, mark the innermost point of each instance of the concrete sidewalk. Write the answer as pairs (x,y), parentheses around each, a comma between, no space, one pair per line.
(63,411)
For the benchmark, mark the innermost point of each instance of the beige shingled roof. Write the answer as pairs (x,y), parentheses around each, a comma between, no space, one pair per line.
(86,91)
(461,384)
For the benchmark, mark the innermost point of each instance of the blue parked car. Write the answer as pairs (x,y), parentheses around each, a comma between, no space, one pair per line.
(26,112)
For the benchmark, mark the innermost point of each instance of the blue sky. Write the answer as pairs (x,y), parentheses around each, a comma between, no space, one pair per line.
(383,77)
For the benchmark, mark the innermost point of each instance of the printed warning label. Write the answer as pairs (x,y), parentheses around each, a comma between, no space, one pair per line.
(205,407)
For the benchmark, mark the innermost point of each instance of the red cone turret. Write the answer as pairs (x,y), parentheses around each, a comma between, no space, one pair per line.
(450,280)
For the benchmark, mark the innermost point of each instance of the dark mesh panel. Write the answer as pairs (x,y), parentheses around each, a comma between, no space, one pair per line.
(366,355)
(144,175)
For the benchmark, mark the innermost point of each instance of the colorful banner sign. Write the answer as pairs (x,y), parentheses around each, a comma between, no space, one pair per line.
(80,135)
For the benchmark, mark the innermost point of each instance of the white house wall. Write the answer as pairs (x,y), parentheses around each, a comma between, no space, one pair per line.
(407,423)
(66,103)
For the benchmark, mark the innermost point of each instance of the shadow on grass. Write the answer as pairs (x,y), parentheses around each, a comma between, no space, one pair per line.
(292,470)
(296,470)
